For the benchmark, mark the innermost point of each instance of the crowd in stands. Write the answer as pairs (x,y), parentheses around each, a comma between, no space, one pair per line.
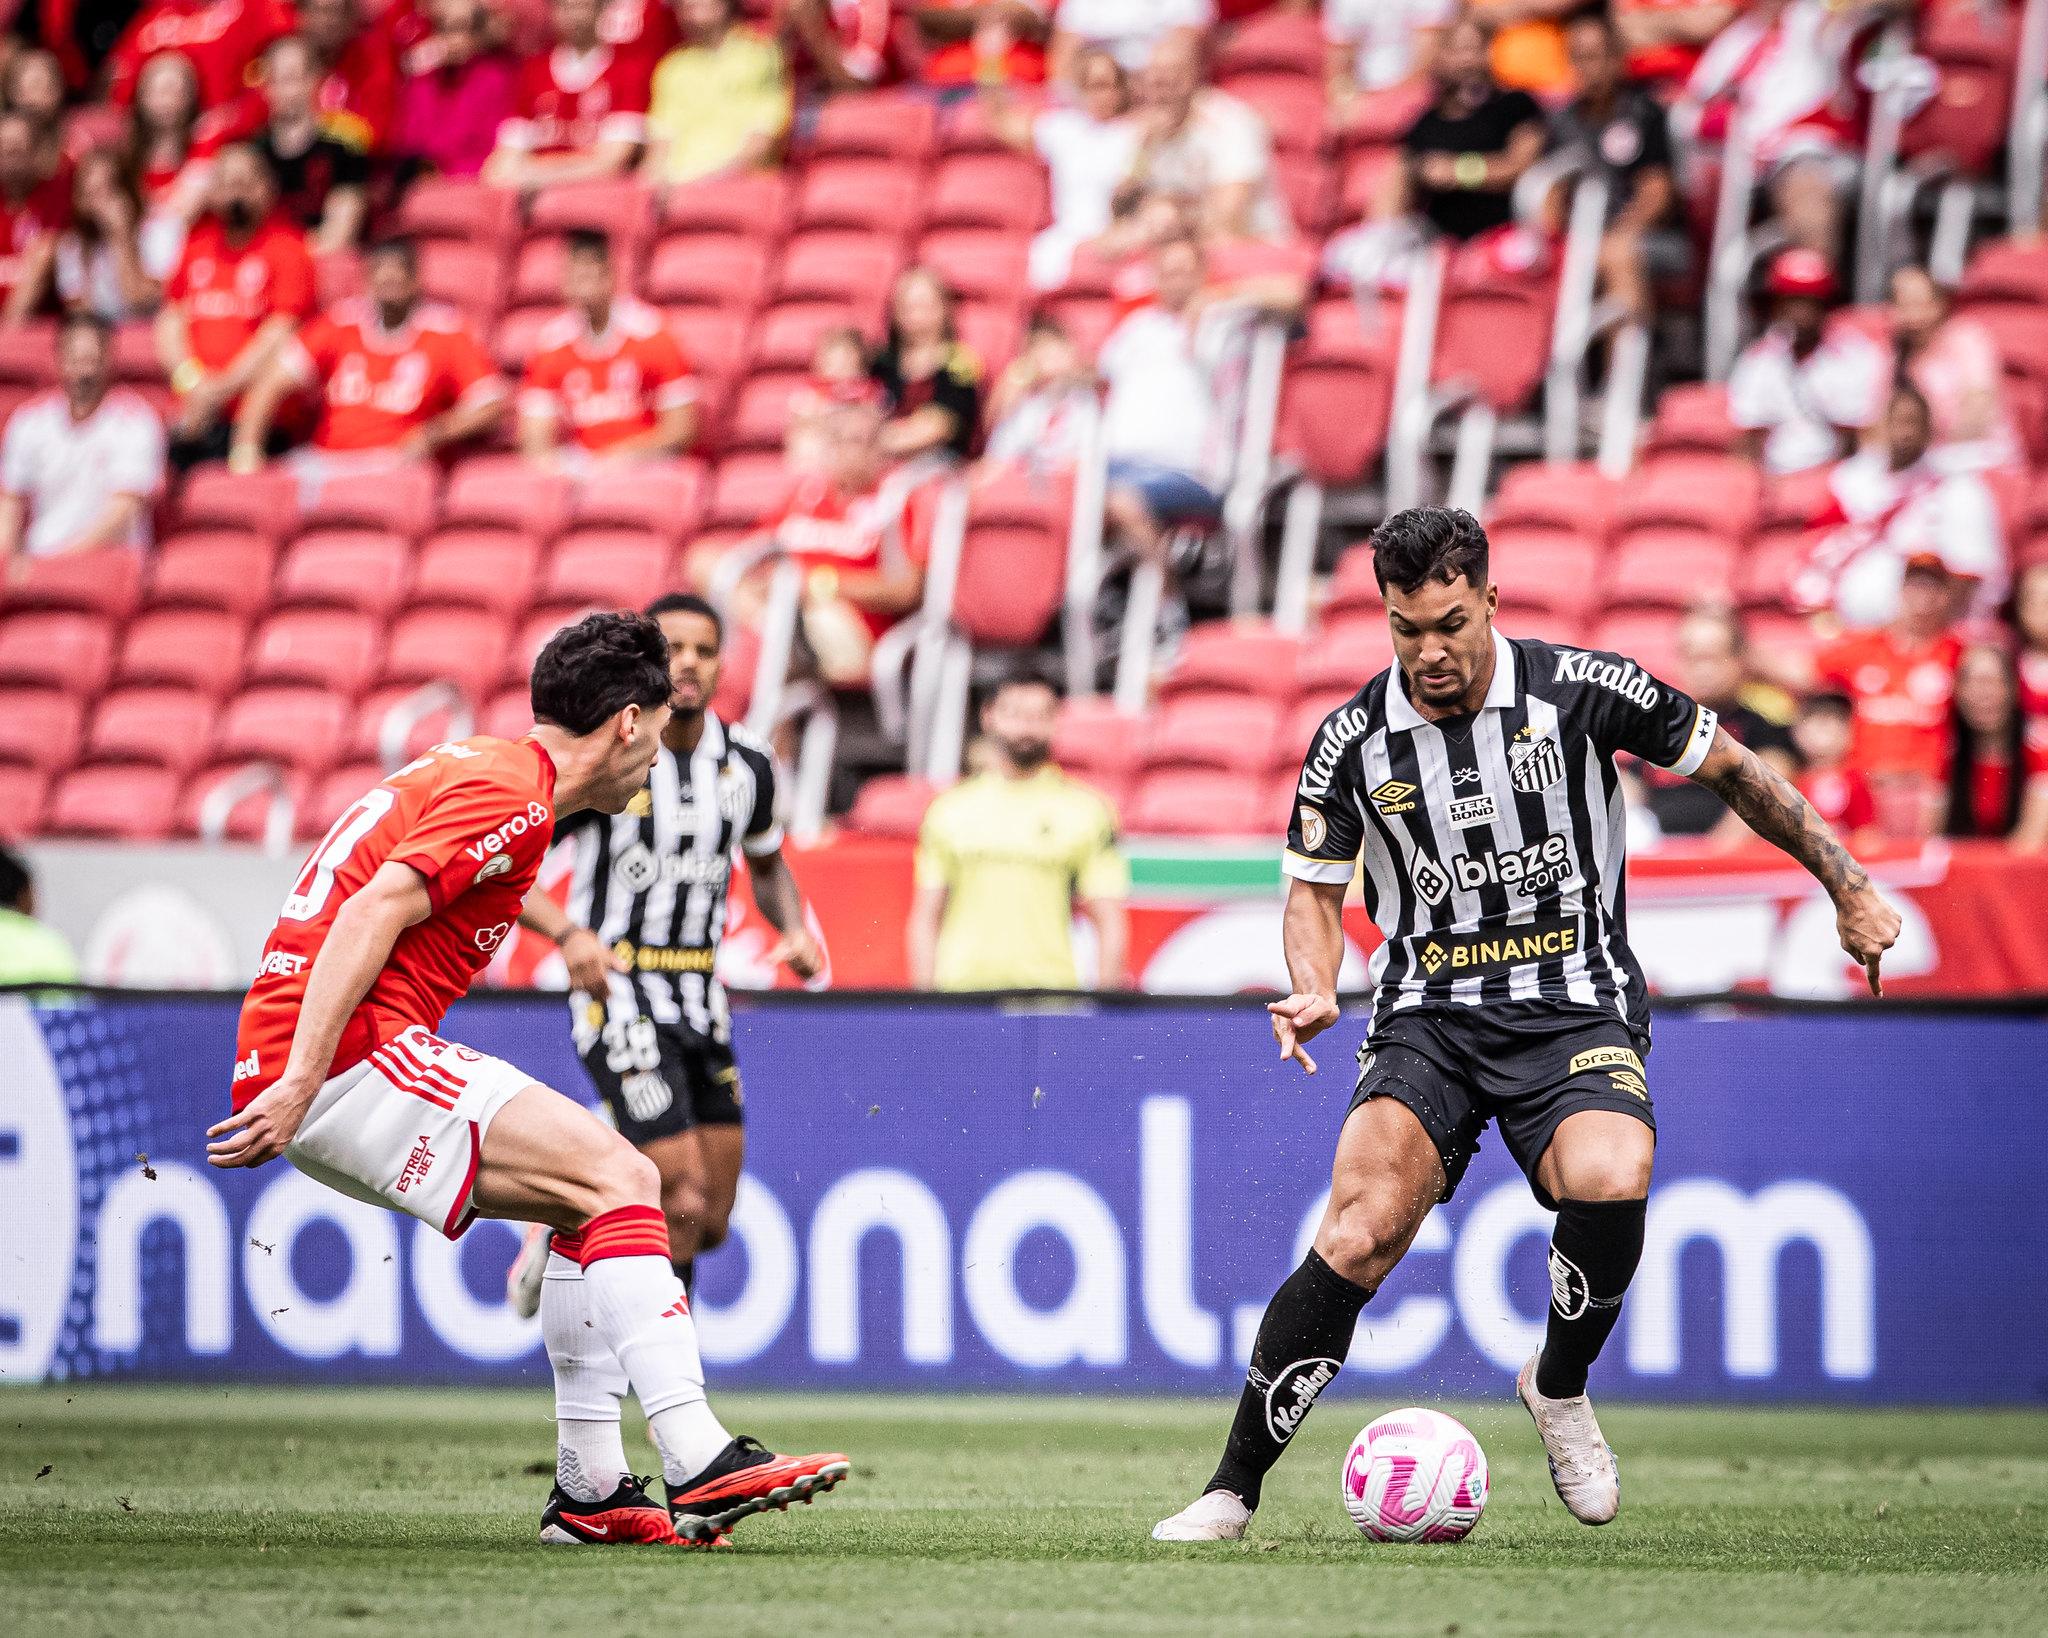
(341,238)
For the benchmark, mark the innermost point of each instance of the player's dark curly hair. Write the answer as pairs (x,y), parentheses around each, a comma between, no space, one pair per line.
(1428,543)
(591,671)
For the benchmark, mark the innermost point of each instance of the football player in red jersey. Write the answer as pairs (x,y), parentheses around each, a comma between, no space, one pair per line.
(338,1069)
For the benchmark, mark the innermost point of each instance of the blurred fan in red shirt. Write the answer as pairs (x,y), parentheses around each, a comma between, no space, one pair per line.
(1997,784)
(581,109)
(1836,788)
(222,39)
(34,208)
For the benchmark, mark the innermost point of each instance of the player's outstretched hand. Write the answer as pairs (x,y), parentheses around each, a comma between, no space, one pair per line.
(1868,926)
(1299,1018)
(800,951)
(591,963)
(260,1131)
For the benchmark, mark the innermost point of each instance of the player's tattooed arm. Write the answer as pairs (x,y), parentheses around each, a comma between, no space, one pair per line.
(1771,805)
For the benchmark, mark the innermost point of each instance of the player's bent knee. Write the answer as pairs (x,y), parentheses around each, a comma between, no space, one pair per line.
(1353,1242)
(624,1177)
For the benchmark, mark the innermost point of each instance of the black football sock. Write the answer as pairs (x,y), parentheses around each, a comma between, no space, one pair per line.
(1301,1344)
(1593,1255)
(686,1271)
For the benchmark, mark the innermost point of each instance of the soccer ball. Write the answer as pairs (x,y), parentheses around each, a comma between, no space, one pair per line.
(1415,1475)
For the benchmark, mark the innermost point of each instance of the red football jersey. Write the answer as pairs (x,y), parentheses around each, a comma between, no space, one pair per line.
(646,29)
(474,818)
(610,386)
(222,38)
(227,293)
(46,209)
(377,386)
(1901,699)
(569,101)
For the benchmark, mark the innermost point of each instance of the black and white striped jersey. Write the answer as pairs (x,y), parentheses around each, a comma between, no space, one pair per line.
(1494,843)
(652,881)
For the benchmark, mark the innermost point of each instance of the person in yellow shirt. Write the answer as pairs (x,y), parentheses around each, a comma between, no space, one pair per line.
(721,99)
(1005,856)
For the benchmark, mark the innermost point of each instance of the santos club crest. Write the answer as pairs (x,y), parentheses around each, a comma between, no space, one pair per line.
(1535,766)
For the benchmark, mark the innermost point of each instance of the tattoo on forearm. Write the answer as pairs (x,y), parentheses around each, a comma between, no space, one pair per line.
(1771,806)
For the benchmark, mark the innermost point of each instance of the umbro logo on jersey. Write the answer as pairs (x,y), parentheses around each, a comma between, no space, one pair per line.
(1535,766)
(1573,665)
(1395,796)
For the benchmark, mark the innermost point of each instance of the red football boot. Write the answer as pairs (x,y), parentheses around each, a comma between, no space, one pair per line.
(744,1479)
(628,1516)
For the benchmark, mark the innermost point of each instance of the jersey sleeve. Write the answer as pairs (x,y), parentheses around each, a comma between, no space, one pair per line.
(1327,828)
(763,833)
(1629,710)
(669,372)
(310,355)
(294,281)
(472,372)
(471,830)
(540,389)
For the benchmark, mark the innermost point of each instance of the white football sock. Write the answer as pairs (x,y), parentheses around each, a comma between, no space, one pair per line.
(638,1307)
(590,1454)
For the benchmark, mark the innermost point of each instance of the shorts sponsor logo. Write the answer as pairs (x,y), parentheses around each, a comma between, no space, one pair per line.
(1464,812)
(1535,766)
(499,864)
(1620,676)
(1607,1057)
(1528,870)
(1338,731)
(247,1069)
(1464,954)
(1394,796)
(1431,880)
(282,964)
(417,1165)
(1293,1394)
(1315,830)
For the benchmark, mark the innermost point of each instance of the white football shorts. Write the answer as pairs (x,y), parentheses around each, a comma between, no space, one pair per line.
(405,1127)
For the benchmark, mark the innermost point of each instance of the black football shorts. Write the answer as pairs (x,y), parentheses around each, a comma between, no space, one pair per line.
(692,1081)
(1524,1065)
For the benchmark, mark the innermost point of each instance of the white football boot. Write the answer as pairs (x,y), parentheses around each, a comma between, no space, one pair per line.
(1217,1516)
(1582,1464)
(522,1280)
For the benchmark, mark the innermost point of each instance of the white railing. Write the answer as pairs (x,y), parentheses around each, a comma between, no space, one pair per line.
(406,714)
(2028,147)
(1251,478)
(1735,252)
(219,804)
(1413,416)
(1085,561)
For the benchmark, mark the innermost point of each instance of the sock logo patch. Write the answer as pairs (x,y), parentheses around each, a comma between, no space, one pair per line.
(1293,1394)
(1570,1295)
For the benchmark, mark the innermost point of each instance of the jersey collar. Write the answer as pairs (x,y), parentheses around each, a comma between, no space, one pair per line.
(1500,693)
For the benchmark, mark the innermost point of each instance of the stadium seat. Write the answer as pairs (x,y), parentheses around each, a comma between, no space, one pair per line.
(747,491)
(363,734)
(1493,329)
(1087,319)
(720,270)
(463,646)
(458,208)
(40,727)
(978,261)
(964,128)
(993,331)
(340,275)
(1573,496)
(1362,180)
(1354,588)
(1309,185)
(344,568)
(537,272)
(1714,494)
(1693,415)
(875,196)
(1647,636)
(515,338)
(212,568)
(1238,734)
(891,805)
(988,190)
(506,492)
(760,412)
(170,727)
(1298,729)
(608,568)
(1273,42)
(248,820)
(1094,737)
(1291,104)
(528,639)
(1763,578)
(333,793)
(478,568)
(1545,569)
(1670,568)
(851,268)
(755,203)
(882,124)
(24,793)
(510,711)
(1346,655)
(106,581)
(56,648)
(715,341)
(666,498)
(619,207)
(28,353)
(403,499)
(295,727)
(1965,121)
(197,649)
(787,334)
(468,277)
(1244,657)
(117,801)
(1197,802)
(264,503)
(333,647)
(1795,499)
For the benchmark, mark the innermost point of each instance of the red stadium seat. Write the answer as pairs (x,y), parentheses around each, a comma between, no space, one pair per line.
(1273,42)
(40,727)
(1362,180)
(452,207)
(619,207)
(1354,588)
(714,341)
(877,196)
(333,794)
(1571,496)
(402,499)
(56,649)
(881,124)
(264,503)
(516,337)
(1242,657)
(469,277)
(755,203)
(854,268)
(1093,736)
(1291,104)
(608,568)
(1222,731)
(345,568)
(1966,120)
(978,262)
(384,711)
(477,568)
(465,647)
(125,802)
(747,491)
(510,712)
(336,648)
(197,649)
(1715,494)
(1309,185)
(1335,405)
(993,331)
(294,727)
(1763,579)
(988,190)
(340,275)
(1670,568)
(666,498)
(1647,636)
(1197,802)
(507,492)
(1087,319)
(1347,654)
(1693,415)
(213,568)
(1554,571)
(24,792)
(249,818)
(104,581)
(891,805)
(761,411)
(1300,726)
(723,270)
(167,726)
(2007,270)
(1795,499)
(964,128)
(1493,330)
(133,359)
(1011,580)
(788,333)
(28,353)
(537,272)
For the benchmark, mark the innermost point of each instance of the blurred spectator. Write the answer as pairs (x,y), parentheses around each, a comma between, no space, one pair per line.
(354,72)
(930,381)
(607,381)
(33,209)
(841,45)
(1806,387)
(1890,506)
(1463,156)
(1619,129)
(80,465)
(1008,856)
(646,29)
(1045,402)
(111,261)
(221,38)
(2030,621)
(721,98)
(580,113)
(1713,668)
(839,375)
(1206,145)
(166,145)
(78,33)
(398,378)
(1997,784)
(243,284)
(1129,30)
(1088,150)
(1665,37)
(322,183)
(459,89)
(1899,678)
(30,951)
(1527,51)
(1956,365)
(33,86)
(1840,794)
(987,42)
(1375,45)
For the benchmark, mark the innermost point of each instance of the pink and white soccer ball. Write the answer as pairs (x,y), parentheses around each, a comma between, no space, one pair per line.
(1415,1475)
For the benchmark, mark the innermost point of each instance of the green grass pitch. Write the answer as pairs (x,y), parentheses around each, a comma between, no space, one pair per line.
(241,1511)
